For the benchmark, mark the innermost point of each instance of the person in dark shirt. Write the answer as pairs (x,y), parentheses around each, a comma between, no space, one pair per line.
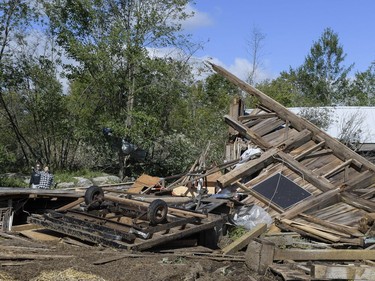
(35,177)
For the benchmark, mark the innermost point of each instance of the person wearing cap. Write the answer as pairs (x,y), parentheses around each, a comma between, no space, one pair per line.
(46,178)
(35,177)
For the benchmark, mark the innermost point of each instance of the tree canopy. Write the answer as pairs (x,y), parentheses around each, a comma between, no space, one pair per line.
(82,83)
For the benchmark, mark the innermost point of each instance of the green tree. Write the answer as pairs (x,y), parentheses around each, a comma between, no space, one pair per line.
(282,89)
(200,116)
(363,88)
(322,79)
(124,87)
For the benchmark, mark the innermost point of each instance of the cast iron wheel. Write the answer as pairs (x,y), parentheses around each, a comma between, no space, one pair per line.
(93,193)
(157,211)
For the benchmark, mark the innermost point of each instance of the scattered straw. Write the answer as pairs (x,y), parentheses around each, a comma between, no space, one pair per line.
(69,274)
(6,277)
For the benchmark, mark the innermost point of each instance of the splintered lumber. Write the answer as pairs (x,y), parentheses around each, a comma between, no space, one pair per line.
(338,227)
(342,272)
(339,149)
(314,231)
(326,254)
(144,181)
(247,168)
(244,240)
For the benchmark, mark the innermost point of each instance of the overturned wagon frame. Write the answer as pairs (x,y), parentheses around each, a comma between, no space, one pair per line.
(134,234)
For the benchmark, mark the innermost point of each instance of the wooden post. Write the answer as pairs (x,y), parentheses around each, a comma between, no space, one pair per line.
(259,255)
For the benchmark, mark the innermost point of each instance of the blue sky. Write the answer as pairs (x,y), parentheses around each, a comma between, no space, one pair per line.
(290,27)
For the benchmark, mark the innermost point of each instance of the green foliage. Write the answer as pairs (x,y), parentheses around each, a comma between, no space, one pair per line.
(236,232)
(116,80)
(7,158)
(322,79)
(281,89)
(362,91)
(11,182)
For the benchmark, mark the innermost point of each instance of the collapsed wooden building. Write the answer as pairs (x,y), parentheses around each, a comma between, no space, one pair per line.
(318,192)
(309,182)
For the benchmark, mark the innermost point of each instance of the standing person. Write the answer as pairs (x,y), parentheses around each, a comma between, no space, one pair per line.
(46,179)
(35,177)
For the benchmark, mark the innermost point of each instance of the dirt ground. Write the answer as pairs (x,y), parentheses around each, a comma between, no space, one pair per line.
(82,264)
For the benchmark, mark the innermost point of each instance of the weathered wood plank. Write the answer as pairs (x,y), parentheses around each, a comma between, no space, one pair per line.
(244,240)
(312,230)
(338,227)
(267,126)
(246,132)
(259,255)
(257,116)
(277,137)
(32,257)
(326,254)
(362,180)
(338,169)
(342,272)
(358,202)
(309,150)
(295,141)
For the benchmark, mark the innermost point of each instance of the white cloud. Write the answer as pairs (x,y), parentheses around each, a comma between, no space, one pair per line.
(199,19)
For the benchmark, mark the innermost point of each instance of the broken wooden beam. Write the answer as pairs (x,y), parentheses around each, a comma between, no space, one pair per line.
(244,240)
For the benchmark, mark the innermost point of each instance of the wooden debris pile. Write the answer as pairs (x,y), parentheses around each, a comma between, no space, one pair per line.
(313,186)
(318,193)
